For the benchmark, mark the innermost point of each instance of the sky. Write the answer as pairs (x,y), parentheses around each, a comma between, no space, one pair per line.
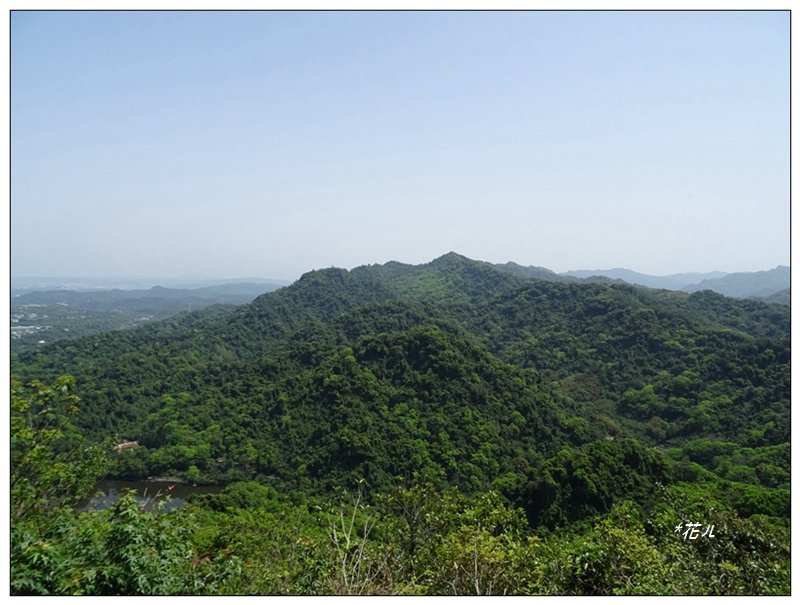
(230,144)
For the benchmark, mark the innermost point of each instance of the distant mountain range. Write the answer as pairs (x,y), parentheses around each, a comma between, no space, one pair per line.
(39,317)
(119,299)
(23,284)
(676,281)
(772,285)
(760,284)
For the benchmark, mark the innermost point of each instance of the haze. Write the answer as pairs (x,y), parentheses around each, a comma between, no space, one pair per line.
(271,143)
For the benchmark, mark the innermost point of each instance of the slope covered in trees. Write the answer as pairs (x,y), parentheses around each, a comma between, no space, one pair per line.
(565,400)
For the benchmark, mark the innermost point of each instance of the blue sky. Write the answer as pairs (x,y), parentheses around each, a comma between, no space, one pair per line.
(272,143)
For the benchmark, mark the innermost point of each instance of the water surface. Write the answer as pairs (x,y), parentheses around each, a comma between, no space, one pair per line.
(149,493)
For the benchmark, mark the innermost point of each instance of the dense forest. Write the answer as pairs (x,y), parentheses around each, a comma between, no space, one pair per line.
(448,428)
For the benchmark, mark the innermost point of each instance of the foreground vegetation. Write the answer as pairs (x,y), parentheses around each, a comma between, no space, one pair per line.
(419,538)
(441,429)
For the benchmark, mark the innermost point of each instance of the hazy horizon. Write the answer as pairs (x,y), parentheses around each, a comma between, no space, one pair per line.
(267,278)
(202,145)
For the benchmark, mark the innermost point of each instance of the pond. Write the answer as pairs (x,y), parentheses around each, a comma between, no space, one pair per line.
(147,492)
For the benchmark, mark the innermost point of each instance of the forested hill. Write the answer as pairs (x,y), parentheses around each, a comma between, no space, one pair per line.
(596,416)
(454,368)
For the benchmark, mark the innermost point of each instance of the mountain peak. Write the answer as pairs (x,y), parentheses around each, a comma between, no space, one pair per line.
(450,258)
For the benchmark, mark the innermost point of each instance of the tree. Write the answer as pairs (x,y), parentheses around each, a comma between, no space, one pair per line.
(51,465)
